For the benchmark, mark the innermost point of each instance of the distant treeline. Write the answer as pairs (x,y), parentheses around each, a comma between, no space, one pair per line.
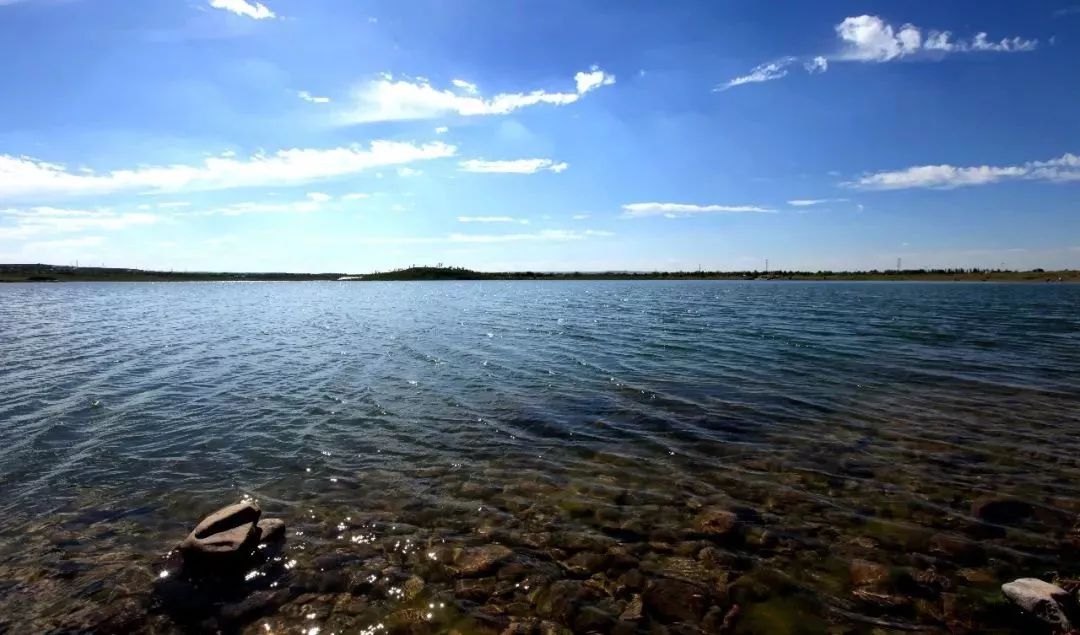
(60,273)
(459,273)
(56,273)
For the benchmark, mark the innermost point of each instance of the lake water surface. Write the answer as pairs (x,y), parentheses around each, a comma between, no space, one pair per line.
(549,455)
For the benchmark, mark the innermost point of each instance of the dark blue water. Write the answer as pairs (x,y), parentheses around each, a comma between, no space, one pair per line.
(586,426)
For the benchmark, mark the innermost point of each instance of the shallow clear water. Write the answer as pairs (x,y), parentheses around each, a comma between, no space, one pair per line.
(589,427)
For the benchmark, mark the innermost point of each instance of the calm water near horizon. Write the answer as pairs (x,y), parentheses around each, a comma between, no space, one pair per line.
(592,429)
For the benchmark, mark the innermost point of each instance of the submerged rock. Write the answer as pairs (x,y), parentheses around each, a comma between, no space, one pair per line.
(1048,602)
(718,522)
(868,574)
(1001,511)
(676,600)
(480,560)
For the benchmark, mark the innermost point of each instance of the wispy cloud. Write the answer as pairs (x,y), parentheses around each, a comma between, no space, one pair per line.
(672,210)
(314,202)
(807,202)
(515,166)
(492,219)
(579,216)
(253,10)
(24,223)
(818,64)
(67,243)
(308,97)
(442,130)
(545,235)
(25,177)
(548,235)
(1062,169)
(465,86)
(868,38)
(761,73)
(389,99)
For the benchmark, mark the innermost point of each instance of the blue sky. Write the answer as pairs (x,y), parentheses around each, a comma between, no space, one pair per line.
(341,135)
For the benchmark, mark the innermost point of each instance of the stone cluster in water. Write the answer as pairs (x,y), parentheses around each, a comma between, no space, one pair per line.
(588,583)
(536,556)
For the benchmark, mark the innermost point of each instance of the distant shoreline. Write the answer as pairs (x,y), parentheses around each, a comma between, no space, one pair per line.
(54,273)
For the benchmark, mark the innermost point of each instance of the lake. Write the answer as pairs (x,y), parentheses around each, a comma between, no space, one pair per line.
(593,456)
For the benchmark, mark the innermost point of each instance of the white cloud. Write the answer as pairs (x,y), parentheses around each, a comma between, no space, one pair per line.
(253,10)
(174,204)
(23,177)
(387,99)
(355,196)
(868,38)
(442,130)
(36,221)
(1062,169)
(492,219)
(407,171)
(592,79)
(308,97)
(762,73)
(465,86)
(319,197)
(516,166)
(817,65)
(638,210)
(807,202)
(579,216)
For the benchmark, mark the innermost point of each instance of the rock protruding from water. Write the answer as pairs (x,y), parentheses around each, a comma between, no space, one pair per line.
(225,542)
(1048,602)
(271,530)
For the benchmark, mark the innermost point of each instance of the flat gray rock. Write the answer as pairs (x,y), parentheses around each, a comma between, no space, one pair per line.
(1042,599)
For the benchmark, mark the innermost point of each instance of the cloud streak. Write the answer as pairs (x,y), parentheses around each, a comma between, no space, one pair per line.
(312,99)
(761,73)
(253,10)
(387,99)
(492,219)
(24,177)
(807,202)
(673,210)
(515,166)
(868,38)
(545,235)
(1062,169)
